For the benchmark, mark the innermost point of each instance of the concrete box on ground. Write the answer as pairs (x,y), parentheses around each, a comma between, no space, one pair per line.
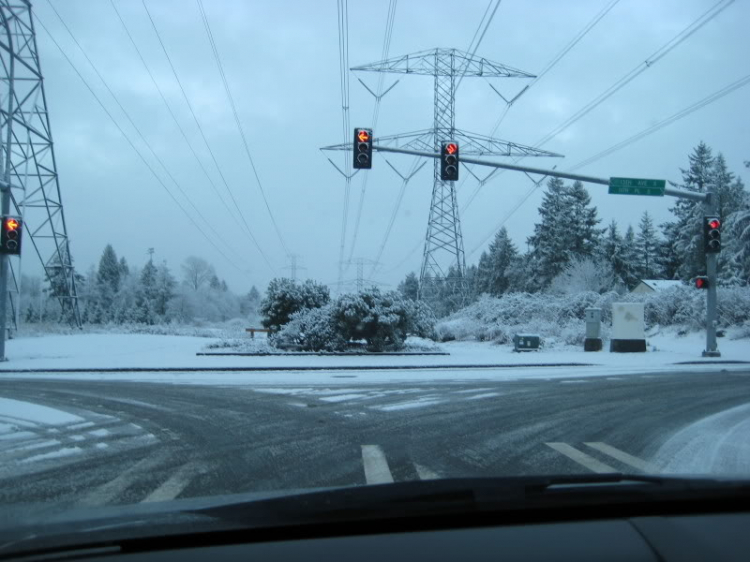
(526,342)
(628,327)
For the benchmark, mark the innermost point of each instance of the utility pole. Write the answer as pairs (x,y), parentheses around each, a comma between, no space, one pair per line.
(27,162)
(150,253)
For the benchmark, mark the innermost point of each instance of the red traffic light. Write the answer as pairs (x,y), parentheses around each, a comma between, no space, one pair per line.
(363,135)
(701,282)
(451,148)
(10,224)
(714,223)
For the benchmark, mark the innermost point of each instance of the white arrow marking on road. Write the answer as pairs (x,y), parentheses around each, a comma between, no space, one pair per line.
(176,483)
(624,457)
(376,465)
(581,458)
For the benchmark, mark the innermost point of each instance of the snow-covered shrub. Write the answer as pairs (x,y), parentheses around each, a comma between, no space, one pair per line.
(284,297)
(312,329)
(583,275)
(381,319)
(420,319)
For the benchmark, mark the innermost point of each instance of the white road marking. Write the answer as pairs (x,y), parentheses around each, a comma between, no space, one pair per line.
(376,465)
(581,458)
(624,457)
(425,473)
(105,493)
(175,484)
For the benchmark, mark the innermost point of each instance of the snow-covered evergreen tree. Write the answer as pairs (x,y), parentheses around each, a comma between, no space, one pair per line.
(409,287)
(502,252)
(647,248)
(689,214)
(549,245)
(585,235)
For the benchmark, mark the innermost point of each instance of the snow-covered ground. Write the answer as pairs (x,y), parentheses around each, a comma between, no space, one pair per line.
(103,351)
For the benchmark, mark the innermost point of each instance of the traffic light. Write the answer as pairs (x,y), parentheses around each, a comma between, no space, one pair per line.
(449,161)
(362,149)
(701,282)
(712,235)
(10,238)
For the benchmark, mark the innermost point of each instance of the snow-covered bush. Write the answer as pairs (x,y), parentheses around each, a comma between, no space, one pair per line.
(284,297)
(381,319)
(312,329)
(560,318)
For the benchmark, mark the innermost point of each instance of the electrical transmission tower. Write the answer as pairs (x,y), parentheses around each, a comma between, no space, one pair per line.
(443,256)
(294,265)
(28,171)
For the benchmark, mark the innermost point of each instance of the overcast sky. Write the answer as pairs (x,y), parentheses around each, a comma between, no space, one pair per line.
(282,63)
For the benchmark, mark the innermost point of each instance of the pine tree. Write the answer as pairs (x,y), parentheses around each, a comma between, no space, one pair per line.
(164,289)
(409,287)
(502,253)
(612,253)
(647,244)
(585,235)
(550,248)
(689,224)
(629,258)
(146,295)
(124,269)
(109,270)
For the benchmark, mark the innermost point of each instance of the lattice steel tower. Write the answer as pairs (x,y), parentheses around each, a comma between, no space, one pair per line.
(27,160)
(447,67)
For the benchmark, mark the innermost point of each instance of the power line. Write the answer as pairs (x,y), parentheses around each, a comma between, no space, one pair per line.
(375,114)
(660,53)
(217,58)
(664,122)
(476,46)
(132,145)
(174,118)
(728,89)
(203,135)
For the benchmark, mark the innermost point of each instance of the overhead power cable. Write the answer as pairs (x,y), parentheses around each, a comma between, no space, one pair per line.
(135,149)
(176,121)
(711,98)
(655,57)
(220,66)
(375,114)
(203,134)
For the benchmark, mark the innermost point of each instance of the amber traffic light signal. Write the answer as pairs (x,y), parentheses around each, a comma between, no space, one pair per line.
(362,149)
(10,237)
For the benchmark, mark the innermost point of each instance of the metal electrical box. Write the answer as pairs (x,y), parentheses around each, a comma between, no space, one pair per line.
(526,342)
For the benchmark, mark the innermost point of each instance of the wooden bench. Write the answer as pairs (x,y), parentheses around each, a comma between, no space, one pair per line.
(253,330)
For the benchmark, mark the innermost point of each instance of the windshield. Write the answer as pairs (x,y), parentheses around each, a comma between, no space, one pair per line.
(274,247)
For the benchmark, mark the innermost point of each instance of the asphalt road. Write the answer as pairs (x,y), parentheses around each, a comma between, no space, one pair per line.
(153,442)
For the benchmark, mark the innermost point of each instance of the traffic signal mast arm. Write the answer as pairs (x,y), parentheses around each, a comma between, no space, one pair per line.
(553,173)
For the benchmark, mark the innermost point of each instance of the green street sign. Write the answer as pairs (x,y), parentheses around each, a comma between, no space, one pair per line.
(636,186)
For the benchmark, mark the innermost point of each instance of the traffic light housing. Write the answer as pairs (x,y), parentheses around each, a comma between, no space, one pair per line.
(449,161)
(712,235)
(362,149)
(10,237)
(701,282)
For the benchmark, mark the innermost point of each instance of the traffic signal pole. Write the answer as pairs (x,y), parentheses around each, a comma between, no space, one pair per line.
(707,199)
(712,349)
(4,210)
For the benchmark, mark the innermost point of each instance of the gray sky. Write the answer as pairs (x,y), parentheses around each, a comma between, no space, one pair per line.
(281,61)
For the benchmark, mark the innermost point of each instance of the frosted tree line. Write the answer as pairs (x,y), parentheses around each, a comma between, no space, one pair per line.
(571,251)
(114,292)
